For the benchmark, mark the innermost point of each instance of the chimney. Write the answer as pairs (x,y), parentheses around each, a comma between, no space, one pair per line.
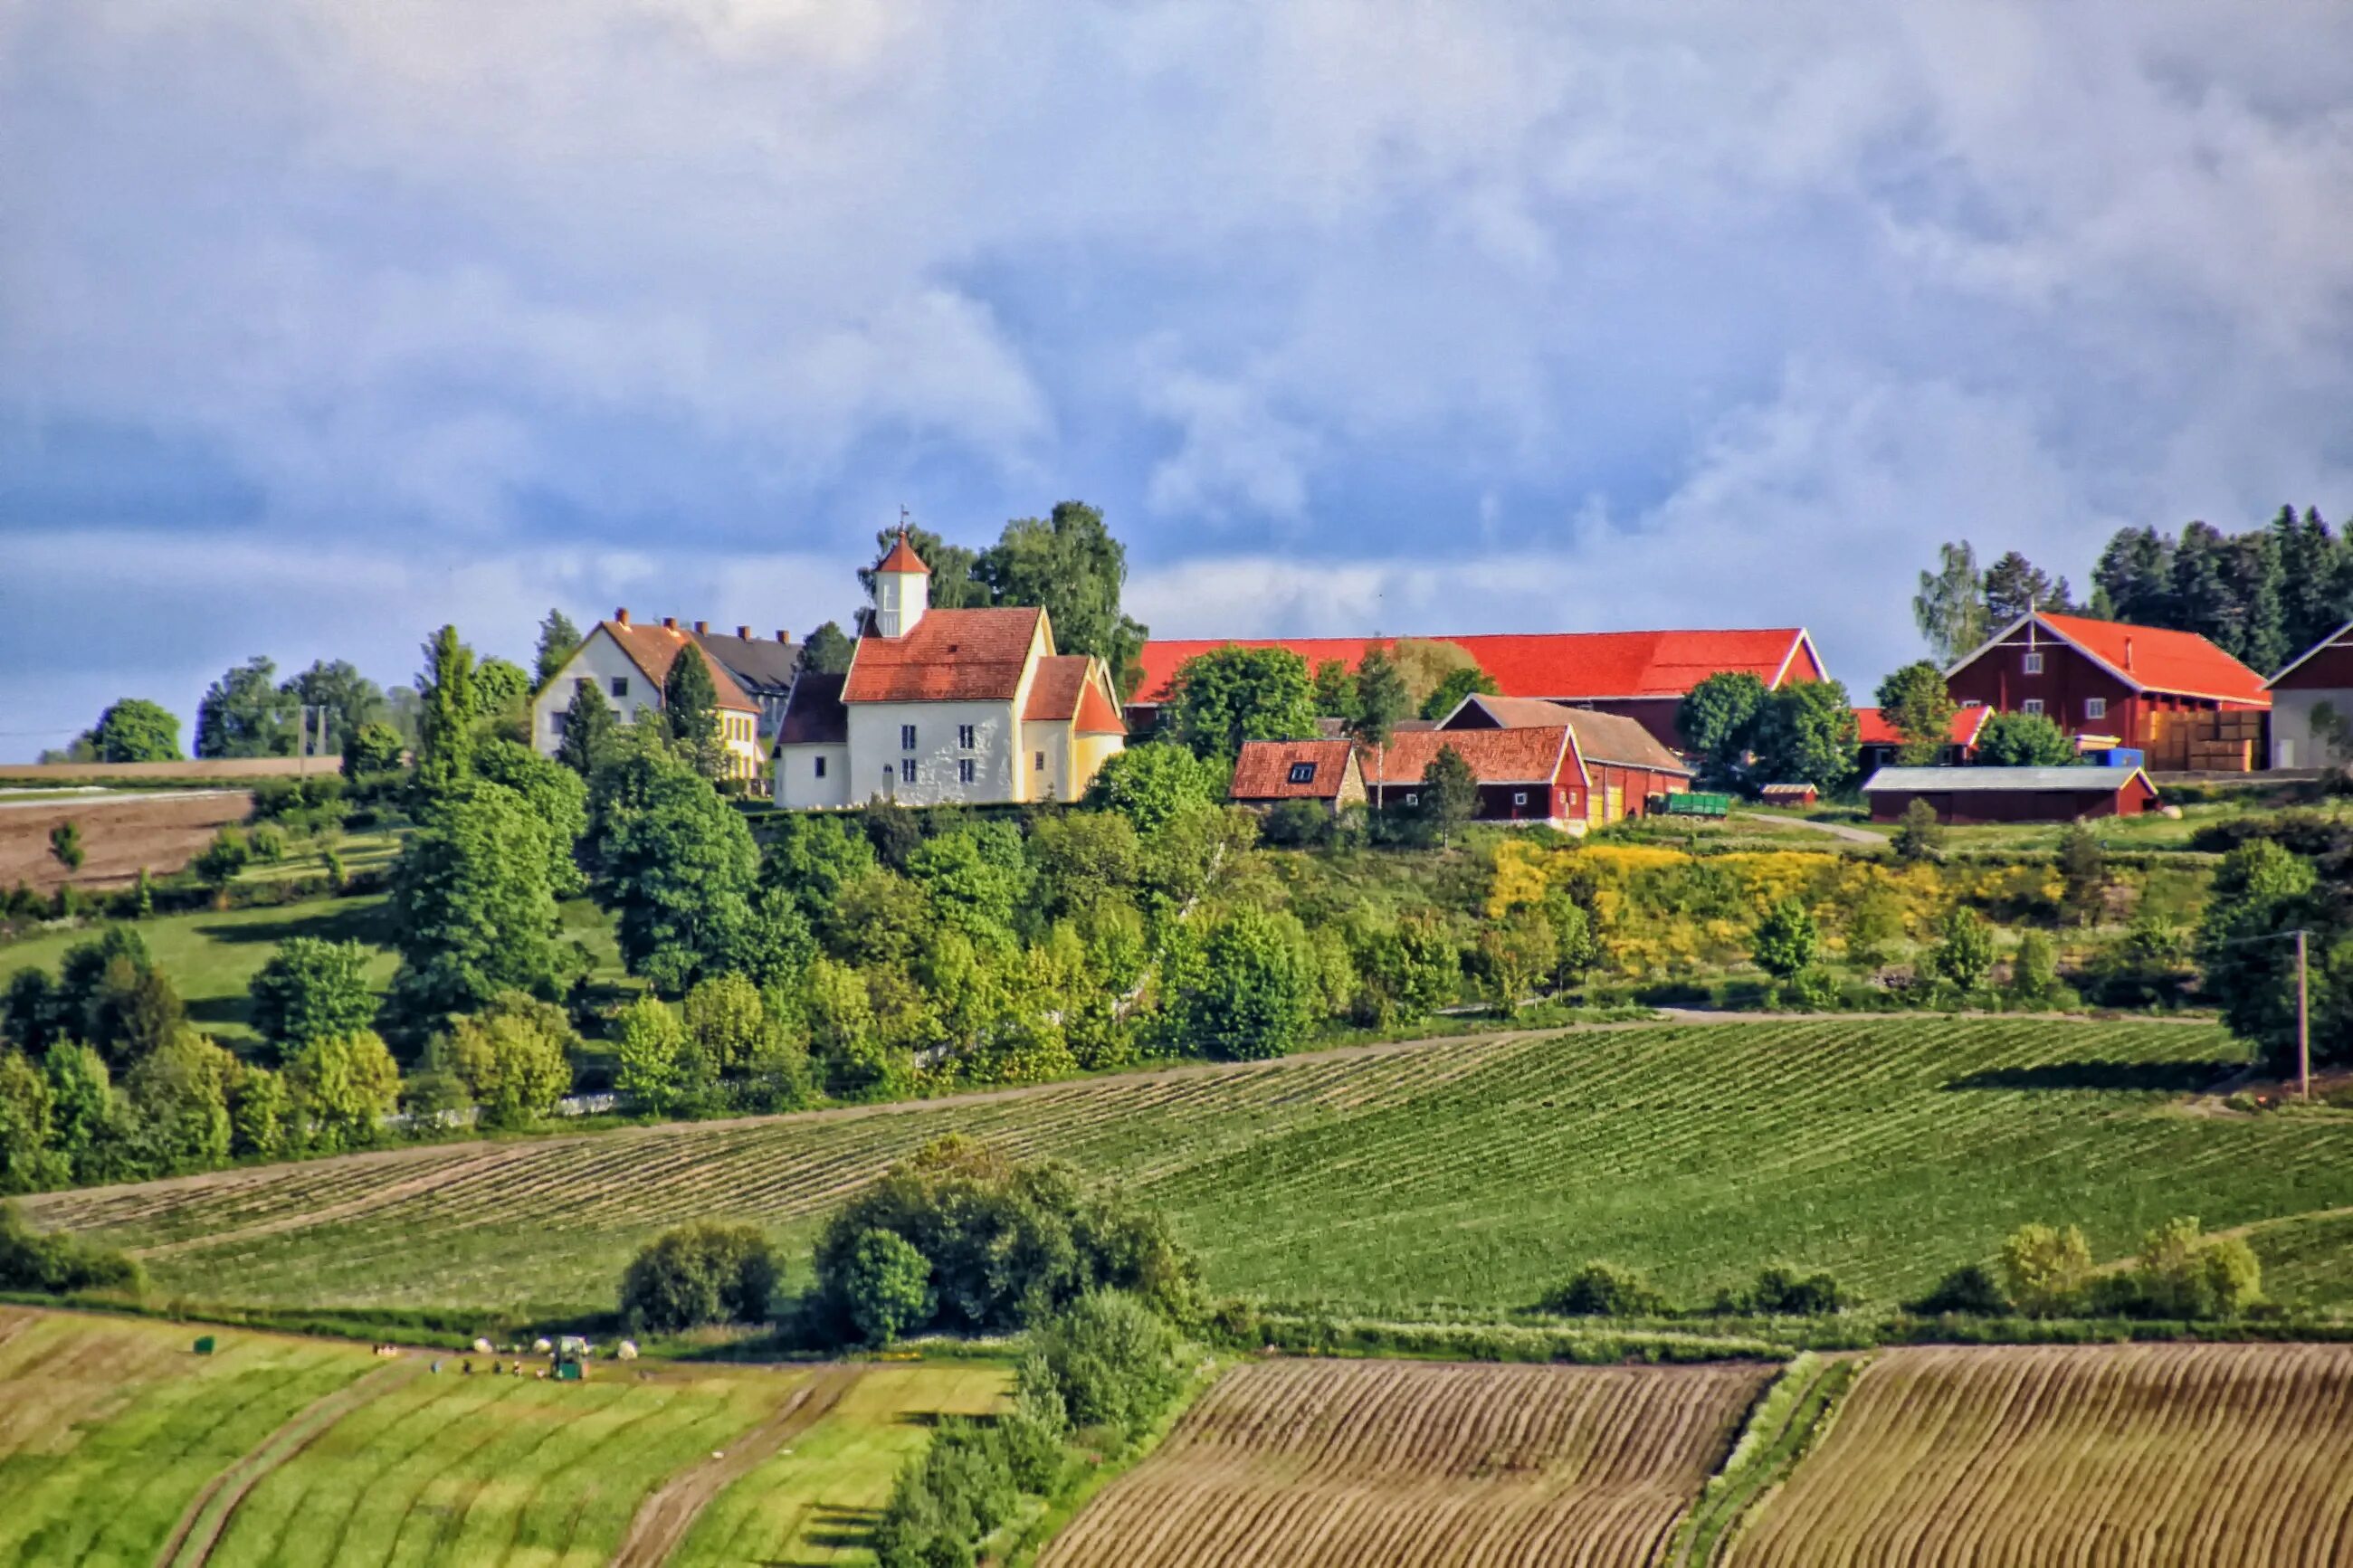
(622,615)
(783,636)
(2128,653)
(669,623)
(701,629)
(743,634)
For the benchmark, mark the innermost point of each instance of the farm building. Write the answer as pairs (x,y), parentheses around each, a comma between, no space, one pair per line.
(2010,794)
(2312,705)
(1642,676)
(1624,764)
(1269,773)
(630,661)
(1880,741)
(1535,762)
(1789,794)
(2173,696)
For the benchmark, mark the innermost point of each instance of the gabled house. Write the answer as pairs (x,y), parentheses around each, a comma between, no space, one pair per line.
(1535,762)
(1621,763)
(1642,676)
(630,661)
(1269,773)
(2174,695)
(968,707)
(2312,705)
(1880,739)
(763,668)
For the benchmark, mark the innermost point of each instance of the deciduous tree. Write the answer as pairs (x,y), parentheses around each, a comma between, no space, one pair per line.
(472,907)
(244,714)
(588,726)
(444,733)
(559,639)
(827,650)
(1915,702)
(313,989)
(1717,720)
(340,1091)
(1806,732)
(1233,694)
(1450,795)
(1950,608)
(134,730)
(2023,740)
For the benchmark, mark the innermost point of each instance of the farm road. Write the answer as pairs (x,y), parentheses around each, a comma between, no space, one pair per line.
(1839,830)
(20,799)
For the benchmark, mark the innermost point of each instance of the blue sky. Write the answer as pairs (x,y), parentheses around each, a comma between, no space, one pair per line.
(323,324)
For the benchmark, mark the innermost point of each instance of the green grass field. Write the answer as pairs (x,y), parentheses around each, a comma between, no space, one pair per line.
(109,1426)
(1470,1172)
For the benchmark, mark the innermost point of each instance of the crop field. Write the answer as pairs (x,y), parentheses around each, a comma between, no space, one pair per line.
(1343,1463)
(121,835)
(2193,1454)
(109,1427)
(1475,1171)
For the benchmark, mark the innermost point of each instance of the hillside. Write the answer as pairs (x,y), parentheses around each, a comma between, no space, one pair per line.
(1474,1171)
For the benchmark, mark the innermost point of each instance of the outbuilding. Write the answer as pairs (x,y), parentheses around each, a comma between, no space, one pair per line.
(1269,773)
(2010,794)
(2312,705)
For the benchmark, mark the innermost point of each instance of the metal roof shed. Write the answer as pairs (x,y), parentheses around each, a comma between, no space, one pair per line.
(2012,795)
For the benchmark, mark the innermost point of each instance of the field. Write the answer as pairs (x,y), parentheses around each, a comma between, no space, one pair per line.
(120,834)
(1476,1171)
(2139,1453)
(1343,1463)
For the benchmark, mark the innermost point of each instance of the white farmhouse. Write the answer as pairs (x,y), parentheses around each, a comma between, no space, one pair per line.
(628,661)
(964,707)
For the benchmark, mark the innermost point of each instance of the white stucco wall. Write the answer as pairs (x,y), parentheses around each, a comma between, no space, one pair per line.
(797,784)
(600,659)
(875,745)
(2294,745)
(1053,738)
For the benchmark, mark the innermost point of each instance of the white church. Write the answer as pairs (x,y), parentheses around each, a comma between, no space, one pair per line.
(940,707)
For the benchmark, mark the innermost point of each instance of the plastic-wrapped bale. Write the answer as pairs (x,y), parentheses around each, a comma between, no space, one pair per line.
(627,1351)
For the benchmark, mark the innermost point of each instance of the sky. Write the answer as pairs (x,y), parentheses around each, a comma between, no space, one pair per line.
(324,322)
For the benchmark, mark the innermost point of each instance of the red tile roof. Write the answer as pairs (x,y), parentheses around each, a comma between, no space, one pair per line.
(1531,755)
(2181,663)
(1262,772)
(814,715)
(1054,690)
(1876,729)
(950,656)
(1098,715)
(903,558)
(1600,737)
(654,648)
(1576,665)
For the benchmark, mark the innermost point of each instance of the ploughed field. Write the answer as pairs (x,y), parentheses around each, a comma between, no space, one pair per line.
(119,1444)
(1474,1171)
(1357,1463)
(2190,1455)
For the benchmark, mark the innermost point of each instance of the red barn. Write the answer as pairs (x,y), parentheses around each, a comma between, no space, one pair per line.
(1642,676)
(1880,739)
(1577,769)
(2172,695)
(2312,705)
(2010,794)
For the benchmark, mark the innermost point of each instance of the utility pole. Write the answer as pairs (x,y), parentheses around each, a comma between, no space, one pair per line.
(2303,1019)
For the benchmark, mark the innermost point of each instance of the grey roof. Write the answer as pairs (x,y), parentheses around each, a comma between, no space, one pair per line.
(814,715)
(762,666)
(1935,781)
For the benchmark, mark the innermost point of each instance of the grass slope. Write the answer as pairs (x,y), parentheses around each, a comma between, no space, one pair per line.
(1472,1170)
(109,1427)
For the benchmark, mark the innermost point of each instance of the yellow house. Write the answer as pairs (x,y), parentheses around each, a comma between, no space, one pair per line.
(629,661)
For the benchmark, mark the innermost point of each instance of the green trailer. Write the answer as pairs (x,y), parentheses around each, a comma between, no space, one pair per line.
(1697,803)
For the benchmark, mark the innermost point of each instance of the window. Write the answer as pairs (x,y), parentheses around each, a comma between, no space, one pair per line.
(821,767)
(1041,762)
(621,686)
(1519,798)
(1974,702)
(907,771)
(906,737)
(968,771)
(2033,664)
(1302,773)
(963,737)
(1411,799)
(2031,705)
(555,724)
(2096,708)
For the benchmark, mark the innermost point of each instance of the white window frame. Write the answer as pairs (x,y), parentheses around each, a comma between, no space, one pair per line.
(2032,706)
(1973,702)
(2033,664)
(2096,709)
(1302,773)
(1413,799)
(1519,798)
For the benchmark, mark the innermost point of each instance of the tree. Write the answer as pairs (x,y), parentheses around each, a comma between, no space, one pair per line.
(445,734)
(1110,1360)
(340,1090)
(678,866)
(1154,784)
(1248,996)
(2043,1269)
(501,693)
(1806,732)
(1915,702)
(1424,663)
(1964,952)
(1950,608)
(351,699)
(1517,953)
(559,639)
(885,1284)
(177,1095)
(1787,941)
(312,990)
(130,1010)
(2202,599)
(2024,740)
(2260,894)
(2035,969)
(29,1162)
(555,794)
(2015,586)
(1231,694)
(700,1273)
(1606,1290)
(66,846)
(1717,720)
(473,911)
(135,731)
(1381,700)
(1450,795)
(954,586)
(691,713)
(2183,1273)
(372,749)
(1333,687)
(513,1059)
(1069,564)
(2311,560)
(653,1069)
(2134,579)
(81,1094)
(223,859)
(589,728)
(1456,684)
(827,650)
(2082,875)
(244,714)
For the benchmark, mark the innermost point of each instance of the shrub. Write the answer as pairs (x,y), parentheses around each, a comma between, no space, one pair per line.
(1969,1289)
(1783,1293)
(1786,939)
(2043,1270)
(313,990)
(512,1058)
(2183,1273)
(886,1286)
(341,1091)
(1108,1358)
(1919,836)
(1298,824)
(57,1263)
(1606,1290)
(1964,952)
(223,859)
(703,1272)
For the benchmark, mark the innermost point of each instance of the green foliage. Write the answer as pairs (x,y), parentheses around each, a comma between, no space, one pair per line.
(1154,784)
(259,1109)
(28,1161)
(472,907)
(372,749)
(1006,1241)
(1787,941)
(1915,702)
(678,866)
(559,639)
(2184,1274)
(1380,698)
(134,730)
(1108,1359)
(340,1090)
(2084,875)
(1950,608)
(1449,796)
(1407,967)
(177,1097)
(2023,740)
(1806,733)
(1517,955)
(1456,685)
(245,714)
(1068,563)
(515,1059)
(2034,971)
(690,712)
(1919,838)
(1606,1290)
(555,794)
(351,701)
(58,1264)
(814,855)
(1717,720)
(444,733)
(827,650)
(313,989)
(2043,1269)
(1971,1291)
(1784,1293)
(1964,953)
(1086,861)
(947,1503)
(83,1110)
(885,1287)
(703,1272)
(589,726)
(2263,893)
(223,859)
(1298,824)
(653,1070)
(1248,994)
(66,846)
(1231,694)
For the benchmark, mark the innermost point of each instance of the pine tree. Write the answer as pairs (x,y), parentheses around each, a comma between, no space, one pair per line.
(559,639)
(690,712)
(445,724)
(2310,558)
(588,726)
(2134,580)
(2258,623)
(2013,587)
(2201,597)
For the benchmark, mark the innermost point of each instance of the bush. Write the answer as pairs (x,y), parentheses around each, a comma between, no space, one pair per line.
(1919,836)
(313,990)
(513,1057)
(886,1286)
(1971,1289)
(1964,952)
(2182,1274)
(1298,824)
(2043,1269)
(1109,1359)
(1786,939)
(1606,1290)
(57,1263)
(1783,1293)
(704,1272)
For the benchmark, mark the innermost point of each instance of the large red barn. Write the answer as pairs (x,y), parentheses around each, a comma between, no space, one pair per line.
(2173,695)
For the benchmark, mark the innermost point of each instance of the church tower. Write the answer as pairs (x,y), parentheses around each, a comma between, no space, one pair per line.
(902,590)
